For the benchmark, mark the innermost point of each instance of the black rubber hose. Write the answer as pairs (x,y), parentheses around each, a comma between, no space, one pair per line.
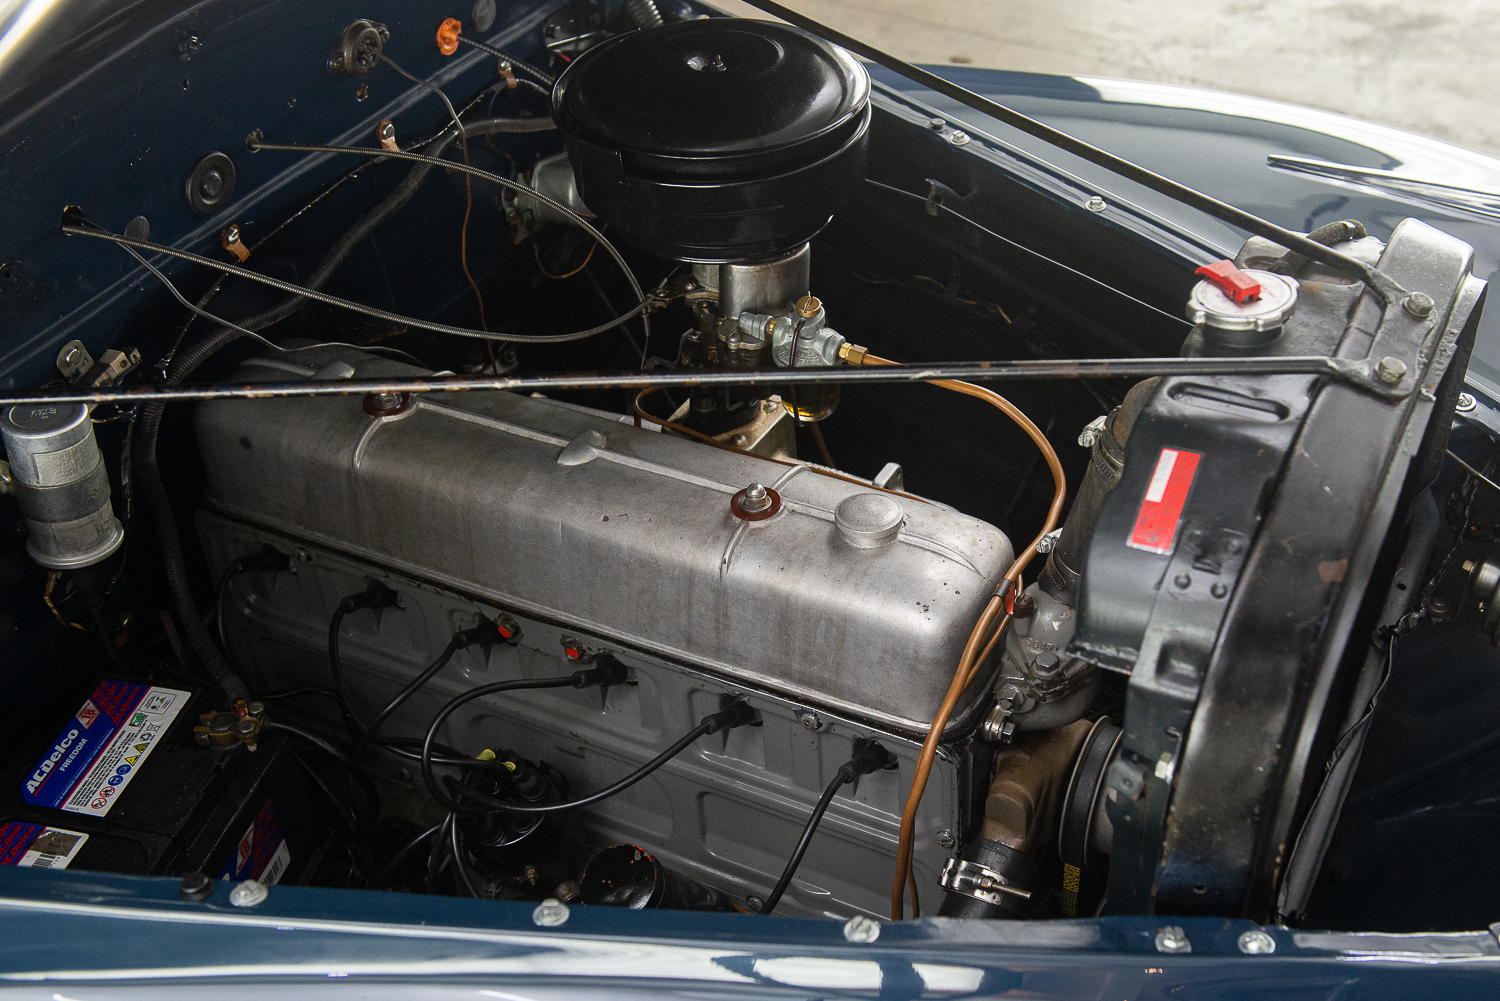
(465,878)
(844,777)
(148,425)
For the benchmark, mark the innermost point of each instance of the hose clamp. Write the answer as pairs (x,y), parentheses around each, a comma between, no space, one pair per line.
(974,880)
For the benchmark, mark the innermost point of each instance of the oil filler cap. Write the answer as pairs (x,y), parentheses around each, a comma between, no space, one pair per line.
(869,521)
(1233,319)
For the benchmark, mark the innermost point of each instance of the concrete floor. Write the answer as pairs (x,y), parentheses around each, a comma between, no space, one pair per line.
(1420,65)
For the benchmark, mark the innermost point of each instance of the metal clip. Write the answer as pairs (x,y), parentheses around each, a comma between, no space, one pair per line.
(386,133)
(974,880)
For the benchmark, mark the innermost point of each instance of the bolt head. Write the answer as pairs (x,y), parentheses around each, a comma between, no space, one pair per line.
(550,913)
(1046,664)
(756,498)
(1466,403)
(1418,304)
(958,137)
(1096,204)
(861,930)
(1182,581)
(810,719)
(1257,943)
(754,903)
(195,886)
(249,893)
(1172,939)
(73,357)
(1391,370)
(936,124)
(945,838)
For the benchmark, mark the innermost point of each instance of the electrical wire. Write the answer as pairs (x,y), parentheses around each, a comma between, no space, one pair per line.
(316,296)
(367,786)
(973,656)
(244,332)
(256,142)
(465,878)
(520,64)
(384,873)
(1021,246)
(463,140)
(844,777)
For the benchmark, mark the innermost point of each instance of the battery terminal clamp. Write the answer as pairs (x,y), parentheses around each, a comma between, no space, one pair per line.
(232,728)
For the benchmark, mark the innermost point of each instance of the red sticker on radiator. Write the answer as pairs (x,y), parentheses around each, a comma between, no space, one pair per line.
(1161,510)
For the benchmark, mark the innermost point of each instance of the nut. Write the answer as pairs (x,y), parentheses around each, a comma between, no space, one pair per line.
(756,498)
(1046,665)
(550,913)
(1257,943)
(248,894)
(1173,939)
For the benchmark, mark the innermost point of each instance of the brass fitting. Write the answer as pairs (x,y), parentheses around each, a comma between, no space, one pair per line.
(852,353)
(808,306)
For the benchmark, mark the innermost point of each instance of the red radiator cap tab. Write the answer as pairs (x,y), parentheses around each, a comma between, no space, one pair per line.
(1235,283)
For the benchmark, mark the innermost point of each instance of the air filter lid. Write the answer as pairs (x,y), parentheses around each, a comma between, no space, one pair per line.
(721,139)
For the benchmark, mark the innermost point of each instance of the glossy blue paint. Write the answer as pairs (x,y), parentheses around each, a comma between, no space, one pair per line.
(70,932)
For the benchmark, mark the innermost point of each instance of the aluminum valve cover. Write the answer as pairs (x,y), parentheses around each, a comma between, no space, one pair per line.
(620,531)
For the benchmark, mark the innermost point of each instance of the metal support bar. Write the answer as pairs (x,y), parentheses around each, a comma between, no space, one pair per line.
(992,371)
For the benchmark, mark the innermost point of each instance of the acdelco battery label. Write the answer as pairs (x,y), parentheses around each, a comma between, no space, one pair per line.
(262,853)
(102,747)
(24,844)
(1161,509)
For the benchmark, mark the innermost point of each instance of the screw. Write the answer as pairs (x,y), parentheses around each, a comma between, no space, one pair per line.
(1233,547)
(1219,590)
(550,913)
(936,124)
(1173,939)
(1046,664)
(861,930)
(1466,403)
(1391,370)
(957,137)
(529,874)
(363,92)
(1024,606)
(75,357)
(387,401)
(248,894)
(754,903)
(1418,304)
(1468,566)
(245,727)
(738,440)
(808,306)
(195,886)
(303,556)
(945,838)
(810,719)
(1096,204)
(232,234)
(387,130)
(1182,581)
(756,498)
(1257,943)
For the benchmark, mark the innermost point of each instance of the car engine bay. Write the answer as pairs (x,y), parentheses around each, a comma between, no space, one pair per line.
(468,559)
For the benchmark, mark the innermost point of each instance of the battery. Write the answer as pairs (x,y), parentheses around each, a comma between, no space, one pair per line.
(121,786)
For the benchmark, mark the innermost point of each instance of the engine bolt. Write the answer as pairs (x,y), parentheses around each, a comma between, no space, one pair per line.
(1257,943)
(1173,939)
(1046,664)
(1418,304)
(1391,370)
(550,913)
(1096,204)
(755,499)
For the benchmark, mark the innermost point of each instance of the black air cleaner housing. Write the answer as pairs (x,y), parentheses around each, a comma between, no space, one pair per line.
(715,140)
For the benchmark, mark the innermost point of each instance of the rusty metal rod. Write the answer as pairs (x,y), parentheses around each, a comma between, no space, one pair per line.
(991,371)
